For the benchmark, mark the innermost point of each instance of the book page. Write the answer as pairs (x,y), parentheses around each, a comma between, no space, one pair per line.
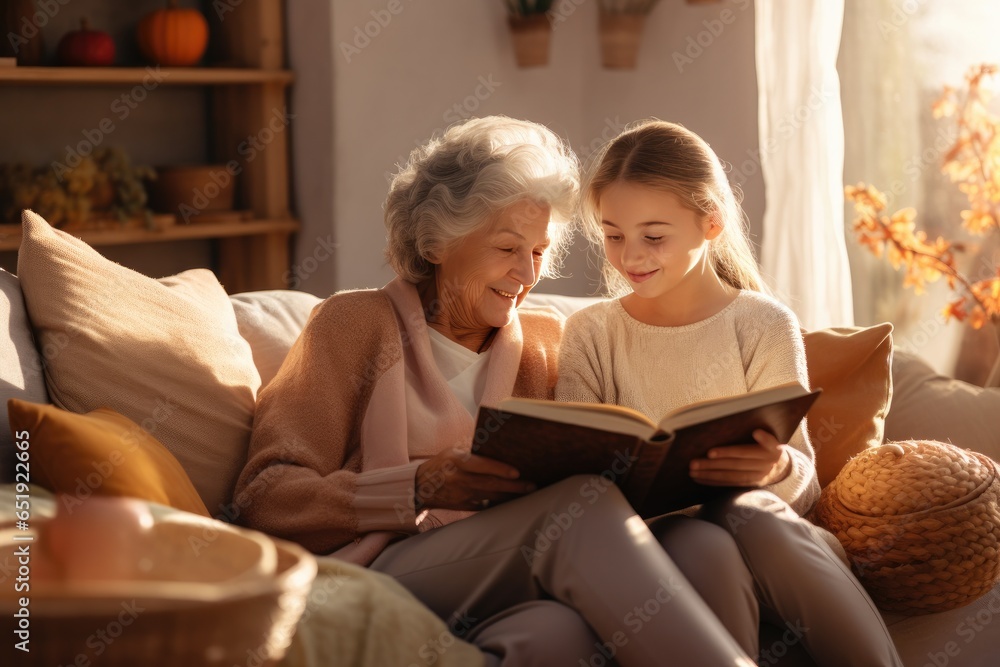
(590,415)
(727,405)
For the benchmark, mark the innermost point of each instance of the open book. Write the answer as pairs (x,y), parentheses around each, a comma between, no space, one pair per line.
(548,441)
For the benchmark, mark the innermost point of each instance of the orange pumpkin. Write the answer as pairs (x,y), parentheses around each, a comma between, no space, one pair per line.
(173,37)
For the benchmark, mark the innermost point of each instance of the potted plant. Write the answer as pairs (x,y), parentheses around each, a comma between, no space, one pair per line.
(620,27)
(530,30)
(973,162)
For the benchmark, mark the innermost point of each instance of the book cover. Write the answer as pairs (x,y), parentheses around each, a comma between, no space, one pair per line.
(548,441)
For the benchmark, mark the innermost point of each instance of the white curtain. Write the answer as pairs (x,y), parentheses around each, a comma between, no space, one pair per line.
(883,146)
(803,255)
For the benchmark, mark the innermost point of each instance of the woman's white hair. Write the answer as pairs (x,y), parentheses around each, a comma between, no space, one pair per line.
(465,178)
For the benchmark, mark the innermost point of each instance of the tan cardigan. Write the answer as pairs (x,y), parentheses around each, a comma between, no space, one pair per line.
(335,445)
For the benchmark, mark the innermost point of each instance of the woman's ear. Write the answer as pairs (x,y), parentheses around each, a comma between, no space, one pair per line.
(713,226)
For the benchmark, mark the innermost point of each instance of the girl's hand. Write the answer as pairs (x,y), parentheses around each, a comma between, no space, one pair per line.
(459,480)
(761,464)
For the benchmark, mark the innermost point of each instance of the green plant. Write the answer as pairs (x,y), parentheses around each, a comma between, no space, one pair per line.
(528,7)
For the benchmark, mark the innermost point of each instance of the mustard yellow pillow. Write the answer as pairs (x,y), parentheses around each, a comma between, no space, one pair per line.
(100,453)
(852,365)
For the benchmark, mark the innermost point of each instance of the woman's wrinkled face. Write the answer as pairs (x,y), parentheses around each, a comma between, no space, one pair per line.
(482,278)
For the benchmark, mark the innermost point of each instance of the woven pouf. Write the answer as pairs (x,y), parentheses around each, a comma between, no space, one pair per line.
(920,523)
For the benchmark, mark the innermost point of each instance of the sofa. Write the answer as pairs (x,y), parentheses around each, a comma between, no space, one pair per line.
(142,387)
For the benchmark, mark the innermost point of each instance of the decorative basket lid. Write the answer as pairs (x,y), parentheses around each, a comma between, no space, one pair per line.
(918,520)
(910,477)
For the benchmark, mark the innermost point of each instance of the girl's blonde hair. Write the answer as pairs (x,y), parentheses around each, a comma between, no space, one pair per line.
(671,158)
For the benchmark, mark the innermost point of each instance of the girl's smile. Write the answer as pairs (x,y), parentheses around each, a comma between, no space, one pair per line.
(649,233)
(640,277)
(660,246)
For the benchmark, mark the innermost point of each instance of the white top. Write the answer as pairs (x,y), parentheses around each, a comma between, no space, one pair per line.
(607,356)
(464,369)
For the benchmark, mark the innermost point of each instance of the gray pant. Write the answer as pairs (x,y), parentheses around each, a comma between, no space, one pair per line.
(570,574)
(783,572)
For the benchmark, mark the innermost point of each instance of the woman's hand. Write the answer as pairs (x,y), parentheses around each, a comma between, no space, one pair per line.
(458,479)
(761,464)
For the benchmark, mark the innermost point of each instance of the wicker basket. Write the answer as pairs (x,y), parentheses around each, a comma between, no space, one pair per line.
(238,617)
(920,523)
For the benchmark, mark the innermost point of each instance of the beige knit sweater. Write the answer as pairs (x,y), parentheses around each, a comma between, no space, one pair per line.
(609,357)
(336,445)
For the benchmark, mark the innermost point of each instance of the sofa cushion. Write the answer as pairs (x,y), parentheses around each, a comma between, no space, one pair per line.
(20,365)
(928,406)
(270,321)
(852,365)
(559,303)
(134,344)
(102,453)
(963,637)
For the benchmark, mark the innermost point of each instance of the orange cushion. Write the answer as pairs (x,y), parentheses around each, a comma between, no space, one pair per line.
(852,365)
(103,453)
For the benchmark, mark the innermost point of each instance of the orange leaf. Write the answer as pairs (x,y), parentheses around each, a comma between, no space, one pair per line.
(977,318)
(955,310)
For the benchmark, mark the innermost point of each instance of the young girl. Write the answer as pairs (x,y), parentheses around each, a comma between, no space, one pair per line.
(693,321)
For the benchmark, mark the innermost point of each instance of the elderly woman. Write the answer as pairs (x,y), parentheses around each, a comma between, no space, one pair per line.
(361,444)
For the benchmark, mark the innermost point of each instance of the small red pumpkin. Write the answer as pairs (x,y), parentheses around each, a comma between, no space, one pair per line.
(173,37)
(86,48)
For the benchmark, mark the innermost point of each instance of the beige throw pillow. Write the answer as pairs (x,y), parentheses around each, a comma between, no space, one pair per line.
(165,353)
(928,406)
(270,321)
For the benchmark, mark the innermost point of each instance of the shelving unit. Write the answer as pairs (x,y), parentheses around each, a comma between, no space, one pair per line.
(176,76)
(212,230)
(247,97)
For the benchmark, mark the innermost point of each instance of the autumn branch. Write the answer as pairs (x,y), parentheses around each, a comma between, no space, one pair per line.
(973,163)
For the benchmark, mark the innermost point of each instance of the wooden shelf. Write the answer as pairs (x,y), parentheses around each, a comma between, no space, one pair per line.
(169,76)
(243,100)
(210,230)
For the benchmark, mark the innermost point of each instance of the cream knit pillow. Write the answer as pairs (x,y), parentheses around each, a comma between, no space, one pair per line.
(165,353)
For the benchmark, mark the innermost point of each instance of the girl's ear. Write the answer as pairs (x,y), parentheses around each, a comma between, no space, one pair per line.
(713,226)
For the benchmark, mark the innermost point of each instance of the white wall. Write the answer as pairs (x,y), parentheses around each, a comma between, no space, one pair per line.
(404,83)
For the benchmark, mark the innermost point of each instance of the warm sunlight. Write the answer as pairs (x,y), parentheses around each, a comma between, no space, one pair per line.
(500,333)
(638,529)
